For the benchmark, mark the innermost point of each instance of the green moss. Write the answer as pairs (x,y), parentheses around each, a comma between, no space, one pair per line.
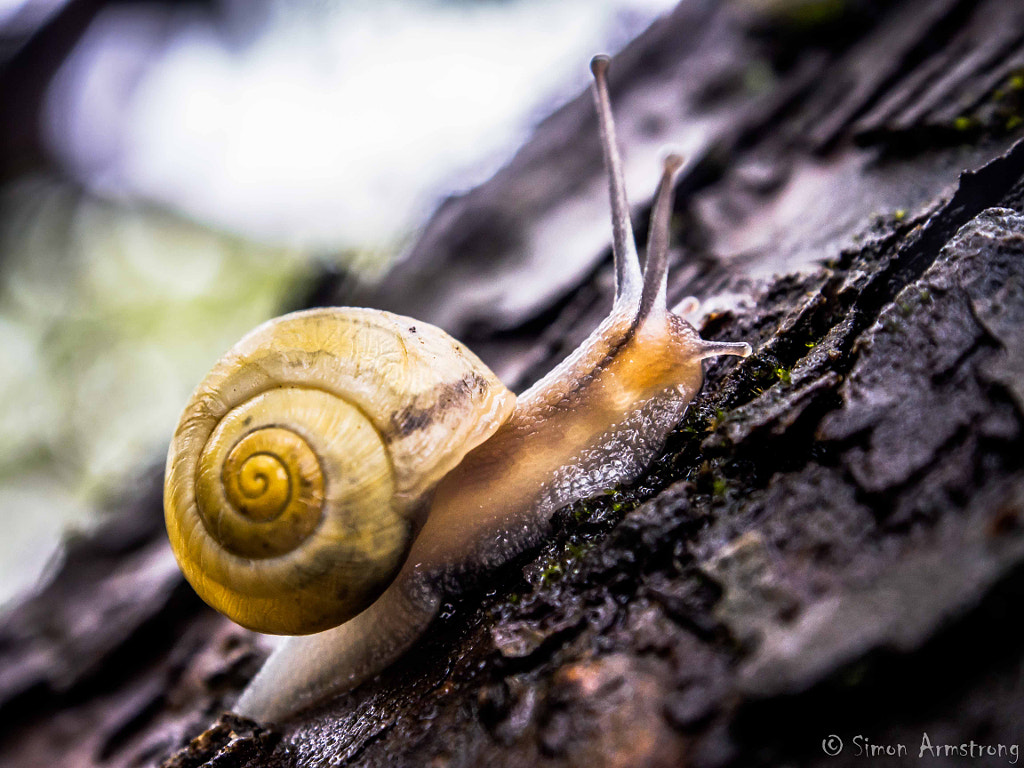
(892,324)
(1001,112)
(963,123)
(576,550)
(582,511)
(718,487)
(563,560)
(718,419)
(784,375)
(552,573)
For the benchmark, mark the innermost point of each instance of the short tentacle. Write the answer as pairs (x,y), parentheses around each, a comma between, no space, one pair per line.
(686,306)
(627,262)
(715,348)
(652,298)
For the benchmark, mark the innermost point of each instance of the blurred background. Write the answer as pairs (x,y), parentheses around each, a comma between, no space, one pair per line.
(172,174)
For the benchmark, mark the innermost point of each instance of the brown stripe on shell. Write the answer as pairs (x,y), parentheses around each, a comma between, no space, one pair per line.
(442,398)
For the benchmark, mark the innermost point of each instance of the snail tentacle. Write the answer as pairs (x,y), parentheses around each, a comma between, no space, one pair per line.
(628,278)
(653,297)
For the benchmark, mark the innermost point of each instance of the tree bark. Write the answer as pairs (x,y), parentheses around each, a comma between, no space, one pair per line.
(831,545)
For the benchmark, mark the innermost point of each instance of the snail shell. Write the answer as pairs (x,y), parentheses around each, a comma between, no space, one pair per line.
(303,462)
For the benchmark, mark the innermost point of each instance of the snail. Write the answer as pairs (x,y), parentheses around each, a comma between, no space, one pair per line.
(341,470)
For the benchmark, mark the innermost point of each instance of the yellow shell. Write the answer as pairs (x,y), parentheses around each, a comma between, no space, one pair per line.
(302,461)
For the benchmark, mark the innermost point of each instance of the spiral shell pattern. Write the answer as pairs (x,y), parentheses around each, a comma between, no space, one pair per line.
(301,463)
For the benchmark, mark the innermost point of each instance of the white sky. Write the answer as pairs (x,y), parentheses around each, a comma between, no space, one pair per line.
(334,125)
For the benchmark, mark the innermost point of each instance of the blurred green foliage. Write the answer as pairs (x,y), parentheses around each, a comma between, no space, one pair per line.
(109,316)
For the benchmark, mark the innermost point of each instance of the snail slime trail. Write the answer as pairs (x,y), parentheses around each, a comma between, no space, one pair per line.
(335,476)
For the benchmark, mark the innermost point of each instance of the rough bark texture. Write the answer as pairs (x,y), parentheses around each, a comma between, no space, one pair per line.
(832,542)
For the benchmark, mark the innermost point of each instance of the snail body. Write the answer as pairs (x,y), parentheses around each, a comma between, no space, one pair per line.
(461,474)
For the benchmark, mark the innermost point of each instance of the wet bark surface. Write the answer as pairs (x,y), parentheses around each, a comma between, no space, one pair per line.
(832,542)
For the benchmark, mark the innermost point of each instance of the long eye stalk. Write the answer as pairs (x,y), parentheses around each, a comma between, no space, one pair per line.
(656,268)
(627,263)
